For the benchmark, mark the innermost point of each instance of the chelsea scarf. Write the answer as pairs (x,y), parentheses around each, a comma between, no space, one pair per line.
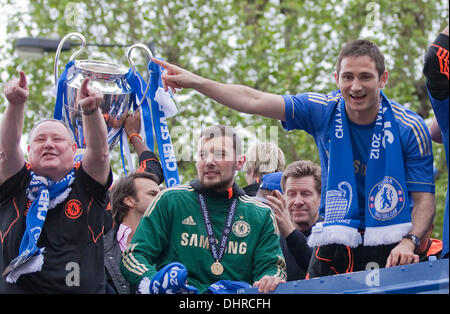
(387,210)
(44,194)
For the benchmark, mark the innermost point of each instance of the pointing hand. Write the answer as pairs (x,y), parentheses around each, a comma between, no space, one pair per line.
(16,90)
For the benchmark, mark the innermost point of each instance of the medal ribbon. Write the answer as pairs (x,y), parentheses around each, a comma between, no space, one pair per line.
(217,253)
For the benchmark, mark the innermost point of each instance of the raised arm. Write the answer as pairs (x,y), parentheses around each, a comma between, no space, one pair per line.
(11,128)
(96,157)
(132,127)
(148,161)
(237,97)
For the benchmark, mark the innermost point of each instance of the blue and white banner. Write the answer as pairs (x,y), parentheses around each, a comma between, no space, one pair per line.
(154,116)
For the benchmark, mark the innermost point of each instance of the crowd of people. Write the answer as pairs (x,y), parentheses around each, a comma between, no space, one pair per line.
(66,227)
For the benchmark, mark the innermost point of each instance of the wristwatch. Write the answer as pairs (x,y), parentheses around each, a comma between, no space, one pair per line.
(413,238)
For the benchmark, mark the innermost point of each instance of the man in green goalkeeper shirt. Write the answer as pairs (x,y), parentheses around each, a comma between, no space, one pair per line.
(197,234)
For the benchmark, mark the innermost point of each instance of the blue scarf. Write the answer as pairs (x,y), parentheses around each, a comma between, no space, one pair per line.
(154,118)
(165,147)
(44,194)
(387,210)
(171,279)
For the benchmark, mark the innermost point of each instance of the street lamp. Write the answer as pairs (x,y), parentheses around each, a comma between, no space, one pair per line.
(33,47)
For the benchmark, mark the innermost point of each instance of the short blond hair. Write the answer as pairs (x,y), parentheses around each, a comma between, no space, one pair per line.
(263,158)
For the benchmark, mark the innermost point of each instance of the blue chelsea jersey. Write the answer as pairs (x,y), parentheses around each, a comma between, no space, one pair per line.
(314,112)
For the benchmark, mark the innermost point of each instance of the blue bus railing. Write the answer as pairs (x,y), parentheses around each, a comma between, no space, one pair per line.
(424,277)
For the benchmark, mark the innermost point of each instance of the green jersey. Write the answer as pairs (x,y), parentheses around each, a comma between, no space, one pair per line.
(173,230)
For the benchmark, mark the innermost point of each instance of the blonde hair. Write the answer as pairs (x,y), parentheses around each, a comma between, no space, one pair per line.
(263,158)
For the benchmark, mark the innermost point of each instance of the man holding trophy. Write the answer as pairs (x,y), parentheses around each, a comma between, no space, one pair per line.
(52,209)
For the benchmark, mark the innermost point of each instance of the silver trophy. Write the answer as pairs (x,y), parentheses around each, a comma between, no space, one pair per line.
(110,79)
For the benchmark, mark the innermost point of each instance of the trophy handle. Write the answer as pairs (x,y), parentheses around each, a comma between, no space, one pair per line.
(76,54)
(149,56)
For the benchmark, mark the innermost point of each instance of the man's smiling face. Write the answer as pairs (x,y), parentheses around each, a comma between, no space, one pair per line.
(51,150)
(360,86)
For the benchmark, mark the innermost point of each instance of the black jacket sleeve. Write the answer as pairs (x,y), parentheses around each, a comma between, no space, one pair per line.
(436,68)
(149,162)
(298,247)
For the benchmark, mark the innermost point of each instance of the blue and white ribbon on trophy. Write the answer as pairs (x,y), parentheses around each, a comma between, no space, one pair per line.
(154,116)
(61,98)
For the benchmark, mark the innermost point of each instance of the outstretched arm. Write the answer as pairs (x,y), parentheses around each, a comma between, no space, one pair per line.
(11,128)
(237,97)
(96,158)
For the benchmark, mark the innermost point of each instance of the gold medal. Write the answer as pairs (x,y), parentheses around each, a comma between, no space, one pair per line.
(217,268)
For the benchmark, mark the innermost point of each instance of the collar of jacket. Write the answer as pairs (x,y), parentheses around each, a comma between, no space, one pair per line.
(234,191)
